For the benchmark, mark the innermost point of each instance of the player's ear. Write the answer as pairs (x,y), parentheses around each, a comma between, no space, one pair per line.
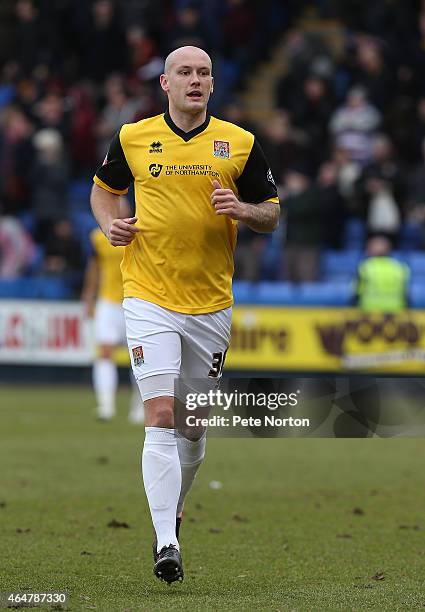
(163,81)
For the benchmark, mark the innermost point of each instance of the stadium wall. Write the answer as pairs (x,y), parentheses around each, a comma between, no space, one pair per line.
(264,339)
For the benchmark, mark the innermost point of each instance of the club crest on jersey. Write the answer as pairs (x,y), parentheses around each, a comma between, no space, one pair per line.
(222,149)
(155,169)
(138,358)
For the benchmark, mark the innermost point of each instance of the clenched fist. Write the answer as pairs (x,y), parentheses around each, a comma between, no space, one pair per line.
(225,202)
(122,231)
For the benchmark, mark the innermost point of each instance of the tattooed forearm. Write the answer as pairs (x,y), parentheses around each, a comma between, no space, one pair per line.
(263,217)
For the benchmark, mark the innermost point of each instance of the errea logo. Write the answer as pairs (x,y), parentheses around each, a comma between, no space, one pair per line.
(155,147)
(270,177)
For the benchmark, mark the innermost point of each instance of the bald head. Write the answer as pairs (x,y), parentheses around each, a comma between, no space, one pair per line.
(186,55)
(188,83)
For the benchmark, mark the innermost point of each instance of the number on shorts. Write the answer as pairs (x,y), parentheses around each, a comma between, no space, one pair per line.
(217,364)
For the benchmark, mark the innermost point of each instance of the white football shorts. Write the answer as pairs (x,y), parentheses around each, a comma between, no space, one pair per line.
(109,323)
(165,345)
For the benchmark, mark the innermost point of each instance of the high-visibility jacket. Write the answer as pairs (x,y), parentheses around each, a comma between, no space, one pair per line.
(382,284)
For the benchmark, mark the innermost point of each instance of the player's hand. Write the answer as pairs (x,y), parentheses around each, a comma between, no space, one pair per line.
(225,202)
(122,231)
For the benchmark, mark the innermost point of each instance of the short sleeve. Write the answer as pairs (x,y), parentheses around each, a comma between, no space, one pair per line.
(256,183)
(114,174)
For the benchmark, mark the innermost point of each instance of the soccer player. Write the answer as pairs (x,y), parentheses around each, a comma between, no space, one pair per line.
(195,178)
(102,295)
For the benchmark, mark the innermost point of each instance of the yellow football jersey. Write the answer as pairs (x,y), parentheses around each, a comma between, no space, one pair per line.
(109,259)
(182,258)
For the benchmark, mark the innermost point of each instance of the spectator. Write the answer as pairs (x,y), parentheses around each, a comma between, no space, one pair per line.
(348,173)
(302,50)
(417,133)
(32,44)
(416,184)
(311,115)
(381,190)
(284,145)
(304,220)
(415,203)
(382,281)
(50,113)
(374,74)
(354,124)
(189,30)
(104,44)
(63,254)
(119,109)
(49,176)
(235,112)
(248,254)
(239,30)
(16,248)
(16,153)
(83,139)
(141,48)
(332,206)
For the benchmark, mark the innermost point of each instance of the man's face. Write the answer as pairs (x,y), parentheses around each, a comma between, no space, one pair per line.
(188,83)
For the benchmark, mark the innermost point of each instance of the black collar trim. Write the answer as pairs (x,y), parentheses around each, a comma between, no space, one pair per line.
(185,135)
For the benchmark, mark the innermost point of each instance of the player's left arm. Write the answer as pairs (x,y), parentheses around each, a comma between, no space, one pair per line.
(262,217)
(258,203)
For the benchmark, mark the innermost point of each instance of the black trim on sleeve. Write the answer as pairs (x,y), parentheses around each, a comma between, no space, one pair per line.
(256,183)
(185,135)
(115,171)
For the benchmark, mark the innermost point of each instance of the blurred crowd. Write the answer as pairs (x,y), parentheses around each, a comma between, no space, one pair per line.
(345,138)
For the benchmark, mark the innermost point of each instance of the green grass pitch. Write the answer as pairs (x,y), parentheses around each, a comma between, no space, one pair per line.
(298,524)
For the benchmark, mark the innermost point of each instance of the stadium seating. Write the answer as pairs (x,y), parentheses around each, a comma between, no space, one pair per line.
(331,293)
(416,262)
(79,196)
(417,295)
(354,234)
(83,223)
(337,293)
(340,265)
(411,237)
(36,288)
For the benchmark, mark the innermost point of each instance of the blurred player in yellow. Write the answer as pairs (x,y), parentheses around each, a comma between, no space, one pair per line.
(102,295)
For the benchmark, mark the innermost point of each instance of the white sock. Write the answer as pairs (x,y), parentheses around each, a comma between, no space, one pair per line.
(162,479)
(191,455)
(105,382)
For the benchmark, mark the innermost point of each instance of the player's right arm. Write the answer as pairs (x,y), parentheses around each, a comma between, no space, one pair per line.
(112,180)
(106,210)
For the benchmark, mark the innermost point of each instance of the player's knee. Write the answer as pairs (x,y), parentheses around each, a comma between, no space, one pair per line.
(163,417)
(159,412)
